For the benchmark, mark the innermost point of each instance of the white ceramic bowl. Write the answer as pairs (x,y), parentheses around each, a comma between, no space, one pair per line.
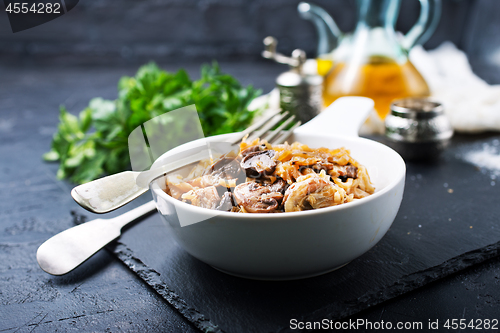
(295,245)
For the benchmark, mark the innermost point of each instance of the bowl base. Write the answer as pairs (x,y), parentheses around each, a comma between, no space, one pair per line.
(279,278)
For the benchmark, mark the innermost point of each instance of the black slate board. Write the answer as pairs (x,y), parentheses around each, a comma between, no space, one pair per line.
(448,221)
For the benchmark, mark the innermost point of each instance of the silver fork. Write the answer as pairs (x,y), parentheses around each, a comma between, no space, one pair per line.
(109,193)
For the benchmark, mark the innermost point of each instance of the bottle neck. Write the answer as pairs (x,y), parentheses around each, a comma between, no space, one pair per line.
(375,31)
(378,13)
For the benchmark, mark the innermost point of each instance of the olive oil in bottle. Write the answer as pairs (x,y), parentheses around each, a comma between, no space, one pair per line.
(380,78)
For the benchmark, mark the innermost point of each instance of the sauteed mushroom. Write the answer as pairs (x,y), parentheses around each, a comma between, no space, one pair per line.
(279,186)
(252,149)
(259,163)
(344,172)
(227,168)
(227,202)
(257,198)
(312,192)
(264,178)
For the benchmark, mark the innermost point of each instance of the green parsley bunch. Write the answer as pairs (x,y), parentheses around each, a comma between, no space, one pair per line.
(95,142)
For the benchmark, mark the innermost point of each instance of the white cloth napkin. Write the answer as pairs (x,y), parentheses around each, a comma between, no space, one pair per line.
(470,103)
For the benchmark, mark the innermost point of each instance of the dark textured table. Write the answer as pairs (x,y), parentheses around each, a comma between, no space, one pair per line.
(104,294)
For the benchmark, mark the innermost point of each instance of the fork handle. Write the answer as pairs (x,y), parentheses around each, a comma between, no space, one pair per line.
(67,250)
(122,220)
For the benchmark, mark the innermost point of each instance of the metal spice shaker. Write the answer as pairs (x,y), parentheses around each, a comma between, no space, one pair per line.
(418,128)
(300,93)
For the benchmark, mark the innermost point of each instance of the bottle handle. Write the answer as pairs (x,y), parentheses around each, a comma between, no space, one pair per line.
(328,31)
(430,12)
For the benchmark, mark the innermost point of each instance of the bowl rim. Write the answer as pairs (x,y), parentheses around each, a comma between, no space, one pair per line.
(256,216)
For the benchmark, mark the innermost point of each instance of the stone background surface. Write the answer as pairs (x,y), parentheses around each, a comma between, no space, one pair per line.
(107,31)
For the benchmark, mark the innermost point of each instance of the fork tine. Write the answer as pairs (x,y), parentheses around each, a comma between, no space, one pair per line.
(258,133)
(278,129)
(286,134)
(254,127)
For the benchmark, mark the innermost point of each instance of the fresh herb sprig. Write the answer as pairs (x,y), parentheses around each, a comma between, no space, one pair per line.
(94,143)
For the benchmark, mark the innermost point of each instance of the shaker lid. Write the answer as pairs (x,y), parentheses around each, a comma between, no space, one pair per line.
(416,108)
(294,79)
(417,120)
(289,79)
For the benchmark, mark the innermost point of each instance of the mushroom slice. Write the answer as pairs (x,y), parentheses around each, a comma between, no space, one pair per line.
(322,166)
(226,203)
(259,163)
(351,171)
(312,192)
(228,168)
(252,149)
(257,198)
(343,172)
(278,186)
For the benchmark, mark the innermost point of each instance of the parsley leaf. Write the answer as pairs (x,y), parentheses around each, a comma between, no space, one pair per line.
(94,143)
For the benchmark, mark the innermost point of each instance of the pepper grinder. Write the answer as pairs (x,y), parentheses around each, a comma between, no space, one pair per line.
(300,93)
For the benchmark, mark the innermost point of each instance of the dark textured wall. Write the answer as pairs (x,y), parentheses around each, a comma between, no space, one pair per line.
(129,30)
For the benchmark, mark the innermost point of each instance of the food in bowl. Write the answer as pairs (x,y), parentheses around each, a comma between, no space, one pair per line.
(301,244)
(265,178)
